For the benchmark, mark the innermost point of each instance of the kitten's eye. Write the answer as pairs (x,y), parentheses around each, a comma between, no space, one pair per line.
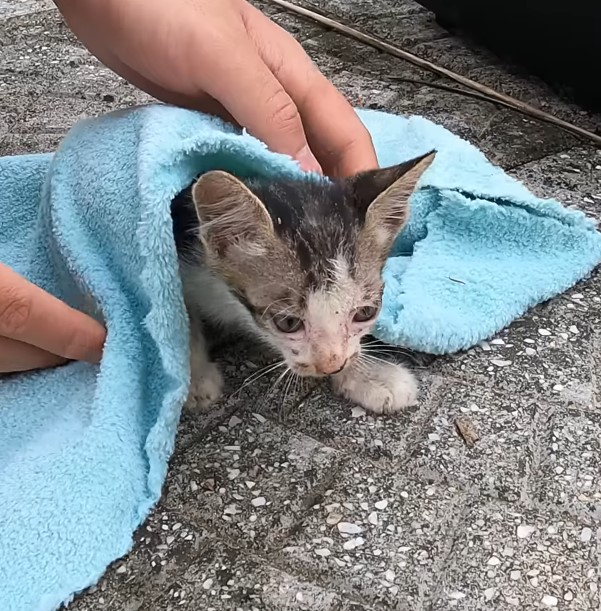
(365,313)
(288,324)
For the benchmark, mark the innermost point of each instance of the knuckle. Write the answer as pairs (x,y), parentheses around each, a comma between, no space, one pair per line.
(284,113)
(15,310)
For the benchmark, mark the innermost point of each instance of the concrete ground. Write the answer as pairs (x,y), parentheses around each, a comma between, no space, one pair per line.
(288,499)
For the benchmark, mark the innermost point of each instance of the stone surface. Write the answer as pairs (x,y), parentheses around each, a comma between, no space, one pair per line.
(285,497)
(505,558)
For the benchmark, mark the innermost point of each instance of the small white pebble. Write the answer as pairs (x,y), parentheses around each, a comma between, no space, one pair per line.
(381,504)
(333,518)
(586,534)
(389,576)
(544,332)
(233,473)
(353,543)
(524,531)
(515,575)
(434,437)
(372,518)
(357,412)
(530,351)
(259,501)
(485,346)
(121,569)
(549,601)
(299,597)
(500,363)
(489,593)
(457,595)
(494,561)
(234,420)
(578,296)
(574,329)
(259,418)
(207,584)
(324,552)
(498,342)
(348,528)
(568,595)
(558,387)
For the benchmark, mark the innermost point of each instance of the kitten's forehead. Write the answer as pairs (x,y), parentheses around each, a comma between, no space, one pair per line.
(318,224)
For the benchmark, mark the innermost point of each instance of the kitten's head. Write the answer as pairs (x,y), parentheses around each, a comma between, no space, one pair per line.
(306,257)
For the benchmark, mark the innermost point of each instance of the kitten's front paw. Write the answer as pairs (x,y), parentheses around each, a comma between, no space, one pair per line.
(206,387)
(381,388)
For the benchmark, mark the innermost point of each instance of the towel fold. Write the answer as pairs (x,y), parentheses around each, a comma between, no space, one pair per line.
(84,449)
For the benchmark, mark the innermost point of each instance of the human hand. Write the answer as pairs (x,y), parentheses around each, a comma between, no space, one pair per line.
(38,331)
(225,57)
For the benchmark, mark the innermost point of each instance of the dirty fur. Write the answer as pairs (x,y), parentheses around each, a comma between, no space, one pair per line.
(298,265)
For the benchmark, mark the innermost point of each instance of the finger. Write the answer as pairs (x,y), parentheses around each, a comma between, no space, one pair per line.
(266,111)
(335,133)
(17,356)
(343,144)
(31,315)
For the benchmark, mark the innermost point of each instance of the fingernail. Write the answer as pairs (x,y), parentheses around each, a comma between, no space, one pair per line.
(96,348)
(307,161)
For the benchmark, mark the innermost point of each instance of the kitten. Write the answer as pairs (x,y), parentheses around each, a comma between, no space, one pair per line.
(297,264)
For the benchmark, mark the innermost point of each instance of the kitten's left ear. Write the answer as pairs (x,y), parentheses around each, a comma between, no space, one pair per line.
(230,214)
(385,193)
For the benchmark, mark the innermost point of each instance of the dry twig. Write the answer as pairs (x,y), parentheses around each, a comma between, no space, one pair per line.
(491,94)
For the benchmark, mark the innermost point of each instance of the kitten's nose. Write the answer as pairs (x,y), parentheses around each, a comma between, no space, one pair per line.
(333,367)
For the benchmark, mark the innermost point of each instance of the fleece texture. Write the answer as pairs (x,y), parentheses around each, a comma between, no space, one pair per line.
(84,449)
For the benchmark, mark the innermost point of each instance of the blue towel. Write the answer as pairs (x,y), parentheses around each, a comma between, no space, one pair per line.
(84,449)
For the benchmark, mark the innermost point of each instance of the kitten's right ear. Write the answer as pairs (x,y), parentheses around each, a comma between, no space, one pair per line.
(230,214)
(385,194)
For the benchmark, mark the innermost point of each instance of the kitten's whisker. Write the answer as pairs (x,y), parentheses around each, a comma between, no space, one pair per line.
(282,376)
(373,359)
(257,375)
(291,379)
(280,312)
(386,350)
(271,305)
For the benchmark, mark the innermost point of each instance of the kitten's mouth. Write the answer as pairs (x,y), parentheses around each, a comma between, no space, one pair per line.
(309,371)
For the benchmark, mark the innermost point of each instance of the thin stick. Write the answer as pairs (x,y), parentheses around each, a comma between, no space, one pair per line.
(496,96)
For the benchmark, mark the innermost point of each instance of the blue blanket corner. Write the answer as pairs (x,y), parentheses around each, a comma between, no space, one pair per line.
(84,449)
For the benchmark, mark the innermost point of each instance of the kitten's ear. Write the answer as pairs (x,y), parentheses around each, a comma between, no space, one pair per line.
(230,214)
(385,193)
